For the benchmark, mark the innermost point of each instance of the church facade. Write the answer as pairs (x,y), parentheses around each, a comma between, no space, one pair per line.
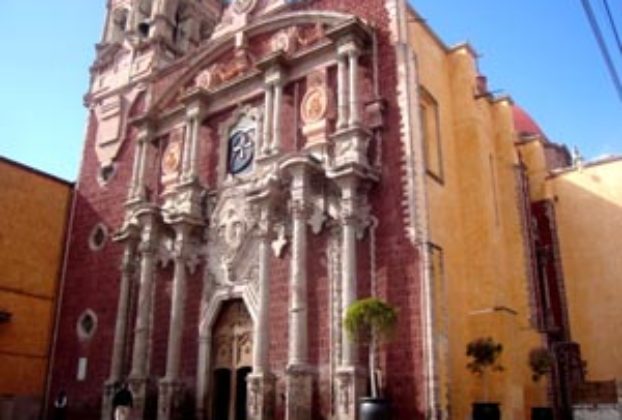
(237,158)
(253,167)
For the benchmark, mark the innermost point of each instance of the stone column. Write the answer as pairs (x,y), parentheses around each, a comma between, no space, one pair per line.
(261,381)
(276,116)
(194,115)
(267,123)
(353,55)
(137,184)
(298,372)
(342,91)
(118,347)
(170,385)
(140,361)
(348,258)
(185,162)
(350,381)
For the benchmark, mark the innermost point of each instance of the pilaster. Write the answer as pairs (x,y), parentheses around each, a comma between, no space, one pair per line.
(194,116)
(299,378)
(138,377)
(128,268)
(137,191)
(351,384)
(170,386)
(261,382)
(274,72)
(298,392)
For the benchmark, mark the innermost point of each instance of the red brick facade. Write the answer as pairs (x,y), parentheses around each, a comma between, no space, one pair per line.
(92,279)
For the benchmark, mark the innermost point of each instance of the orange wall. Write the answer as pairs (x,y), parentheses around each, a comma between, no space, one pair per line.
(588,211)
(474,217)
(33,214)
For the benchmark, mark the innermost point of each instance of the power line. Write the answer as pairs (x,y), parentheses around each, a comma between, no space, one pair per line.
(613,25)
(602,45)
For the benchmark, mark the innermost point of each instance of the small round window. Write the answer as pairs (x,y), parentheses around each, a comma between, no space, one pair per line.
(98,237)
(87,324)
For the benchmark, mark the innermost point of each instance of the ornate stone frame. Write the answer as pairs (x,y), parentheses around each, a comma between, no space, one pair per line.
(247,110)
(211,304)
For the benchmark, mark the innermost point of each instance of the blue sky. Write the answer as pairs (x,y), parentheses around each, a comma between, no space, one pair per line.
(542,53)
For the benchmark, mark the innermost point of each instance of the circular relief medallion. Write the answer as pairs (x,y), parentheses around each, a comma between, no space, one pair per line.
(204,79)
(280,42)
(171,158)
(314,105)
(243,6)
(241,151)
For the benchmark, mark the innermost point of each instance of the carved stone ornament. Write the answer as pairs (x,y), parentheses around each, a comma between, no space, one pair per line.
(233,249)
(221,72)
(314,104)
(243,6)
(278,245)
(205,79)
(284,40)
(171,158)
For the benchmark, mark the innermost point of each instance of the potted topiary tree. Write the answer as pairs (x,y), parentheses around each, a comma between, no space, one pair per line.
(371,321)
(484,354)
(541,363)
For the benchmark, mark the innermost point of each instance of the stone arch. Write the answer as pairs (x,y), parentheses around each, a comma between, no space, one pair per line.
(211,307)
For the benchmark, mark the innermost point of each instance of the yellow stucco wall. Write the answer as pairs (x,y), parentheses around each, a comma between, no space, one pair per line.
(33,213)
(588,211)
(474,217)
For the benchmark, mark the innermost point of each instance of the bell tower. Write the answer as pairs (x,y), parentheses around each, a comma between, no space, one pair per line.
(140,37)
(176,25)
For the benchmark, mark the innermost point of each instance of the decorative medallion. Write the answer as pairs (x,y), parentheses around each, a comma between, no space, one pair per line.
(241,150)
(314,105)
(205,79)
(171,157)
(241,145)
(281,41)
(243,6)
(315,102)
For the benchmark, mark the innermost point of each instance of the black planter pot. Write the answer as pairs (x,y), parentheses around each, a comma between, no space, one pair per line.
(541,413)
(486,411)
(374,409)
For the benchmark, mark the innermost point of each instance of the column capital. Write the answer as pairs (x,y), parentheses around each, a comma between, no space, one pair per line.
(195,110)
(352,32)
(145,132)
(273,66)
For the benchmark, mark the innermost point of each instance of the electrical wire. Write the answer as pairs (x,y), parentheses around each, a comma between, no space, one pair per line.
(602,45)
(613,25)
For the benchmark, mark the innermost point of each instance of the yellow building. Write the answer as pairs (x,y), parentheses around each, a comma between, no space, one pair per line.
(588,209)
(33,215)
(477,243)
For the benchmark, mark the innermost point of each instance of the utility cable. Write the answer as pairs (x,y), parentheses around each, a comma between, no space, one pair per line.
(602,45)
(613,25)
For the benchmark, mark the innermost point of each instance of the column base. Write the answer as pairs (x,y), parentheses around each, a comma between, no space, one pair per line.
(298,393)
(110,388)
(260,396)
(140,393)
(170,396)
(351,384)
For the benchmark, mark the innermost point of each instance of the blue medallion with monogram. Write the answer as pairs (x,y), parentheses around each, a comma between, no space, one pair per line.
(241,150)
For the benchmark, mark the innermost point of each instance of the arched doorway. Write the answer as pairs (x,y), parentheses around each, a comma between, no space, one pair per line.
(232,349)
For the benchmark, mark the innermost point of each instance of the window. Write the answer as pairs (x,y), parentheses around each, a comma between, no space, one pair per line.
(430,130)
(86,325)
(98,237)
